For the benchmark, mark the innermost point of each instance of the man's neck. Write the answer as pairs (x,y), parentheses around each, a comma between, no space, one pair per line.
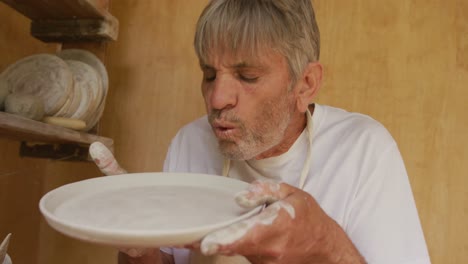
(297,125)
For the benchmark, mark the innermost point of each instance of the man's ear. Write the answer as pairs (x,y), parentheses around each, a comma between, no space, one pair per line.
(309,85)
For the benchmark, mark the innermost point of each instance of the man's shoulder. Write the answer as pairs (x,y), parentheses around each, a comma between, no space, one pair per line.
(352,125)
(194,149)
(333,116)
(195,135)
(197,127)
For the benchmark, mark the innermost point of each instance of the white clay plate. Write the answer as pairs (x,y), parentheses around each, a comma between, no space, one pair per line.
(144,209)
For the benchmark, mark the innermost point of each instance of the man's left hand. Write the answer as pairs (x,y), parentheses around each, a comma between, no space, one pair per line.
(293,228)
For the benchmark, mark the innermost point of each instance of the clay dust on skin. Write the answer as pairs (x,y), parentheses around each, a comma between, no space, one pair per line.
(258,193)
(104,159)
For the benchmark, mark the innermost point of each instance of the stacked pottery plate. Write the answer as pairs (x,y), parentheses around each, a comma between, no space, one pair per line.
(82,63)
(71,84)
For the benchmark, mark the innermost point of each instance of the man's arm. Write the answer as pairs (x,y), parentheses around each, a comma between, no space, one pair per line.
(342,249)
(108,165)
(152,257)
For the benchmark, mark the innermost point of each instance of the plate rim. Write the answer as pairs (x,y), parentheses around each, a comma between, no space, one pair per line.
(102,236)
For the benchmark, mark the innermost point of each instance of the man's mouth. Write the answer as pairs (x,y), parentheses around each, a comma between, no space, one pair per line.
(223,130)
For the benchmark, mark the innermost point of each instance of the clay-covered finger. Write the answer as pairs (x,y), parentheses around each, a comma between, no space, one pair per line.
(224,241)
(104,159)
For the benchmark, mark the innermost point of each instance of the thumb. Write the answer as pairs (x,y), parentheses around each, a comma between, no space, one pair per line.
(104,159)
(263,192)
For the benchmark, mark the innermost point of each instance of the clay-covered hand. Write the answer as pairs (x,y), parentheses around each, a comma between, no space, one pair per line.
(291,229)
(108,165)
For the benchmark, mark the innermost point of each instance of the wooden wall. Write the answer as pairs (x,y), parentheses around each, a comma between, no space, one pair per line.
(154,79)
(405,63)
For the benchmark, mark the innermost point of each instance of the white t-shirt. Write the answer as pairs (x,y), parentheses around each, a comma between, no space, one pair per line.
(356,175)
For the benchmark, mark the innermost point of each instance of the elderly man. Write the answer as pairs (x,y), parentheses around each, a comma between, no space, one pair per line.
(335,184)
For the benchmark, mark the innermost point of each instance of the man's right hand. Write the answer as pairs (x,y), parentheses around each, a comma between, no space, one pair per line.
(108,165)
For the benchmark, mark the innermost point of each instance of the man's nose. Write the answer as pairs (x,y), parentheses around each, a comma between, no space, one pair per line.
(223,93)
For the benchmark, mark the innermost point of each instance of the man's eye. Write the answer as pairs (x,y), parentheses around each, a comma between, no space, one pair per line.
(210,77)
(248,79)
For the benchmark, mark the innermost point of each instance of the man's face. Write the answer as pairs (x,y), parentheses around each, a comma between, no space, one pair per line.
(248,102)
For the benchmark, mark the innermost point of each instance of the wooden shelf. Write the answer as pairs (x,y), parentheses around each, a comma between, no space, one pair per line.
(71,22)
(48,141)
(68,20)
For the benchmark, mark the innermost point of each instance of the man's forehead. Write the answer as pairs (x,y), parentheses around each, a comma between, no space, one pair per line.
(238,63)
(240,59)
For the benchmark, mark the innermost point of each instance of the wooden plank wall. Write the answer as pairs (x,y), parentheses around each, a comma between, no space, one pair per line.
(402,62)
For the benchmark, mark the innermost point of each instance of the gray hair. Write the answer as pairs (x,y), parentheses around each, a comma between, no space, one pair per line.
(287,26)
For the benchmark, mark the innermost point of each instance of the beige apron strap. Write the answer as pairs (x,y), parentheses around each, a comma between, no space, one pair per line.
(305,169)
(226,166)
